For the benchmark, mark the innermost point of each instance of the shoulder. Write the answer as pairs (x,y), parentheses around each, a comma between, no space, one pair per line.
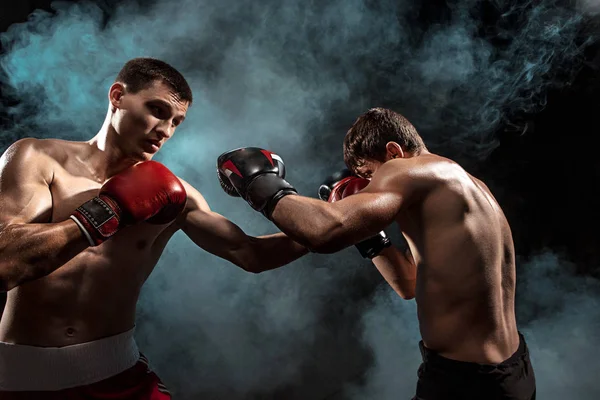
(34,148)
(37,156)
(414,171)
(24,154)
(412,177)
(195,200)
(26,147)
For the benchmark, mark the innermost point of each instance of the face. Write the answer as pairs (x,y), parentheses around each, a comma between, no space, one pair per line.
(144,121)
(368,167)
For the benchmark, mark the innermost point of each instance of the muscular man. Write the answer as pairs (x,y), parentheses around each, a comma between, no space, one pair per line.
(82,225)
(459,240)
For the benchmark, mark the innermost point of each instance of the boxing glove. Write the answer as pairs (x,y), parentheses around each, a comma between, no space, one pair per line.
(334,180)
(147,191)
(256,175)
(341,185)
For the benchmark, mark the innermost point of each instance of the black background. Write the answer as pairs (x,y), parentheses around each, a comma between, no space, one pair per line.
(545,173)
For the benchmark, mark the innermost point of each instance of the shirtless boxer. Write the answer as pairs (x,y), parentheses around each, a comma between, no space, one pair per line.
(458,237)
(76,246)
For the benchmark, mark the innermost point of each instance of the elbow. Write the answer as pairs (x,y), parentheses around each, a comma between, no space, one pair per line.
(407,296)
(253,267)
(244,256)
(249,263)
(5,284)
(324,247)
(405,289)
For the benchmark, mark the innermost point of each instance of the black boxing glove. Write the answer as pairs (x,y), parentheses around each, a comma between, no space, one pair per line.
(256,175)
(341,185)
(370,248)
(334,180)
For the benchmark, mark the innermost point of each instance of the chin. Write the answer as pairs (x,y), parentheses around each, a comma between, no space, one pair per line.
(147,157)
(142,156)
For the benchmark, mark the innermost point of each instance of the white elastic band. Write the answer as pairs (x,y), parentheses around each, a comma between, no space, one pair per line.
(83,230)
(30,368)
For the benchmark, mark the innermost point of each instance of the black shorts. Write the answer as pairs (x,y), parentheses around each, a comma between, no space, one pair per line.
(443,379)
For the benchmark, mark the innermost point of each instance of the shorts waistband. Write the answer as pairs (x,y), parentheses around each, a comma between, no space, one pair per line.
(31,368)
(431,356)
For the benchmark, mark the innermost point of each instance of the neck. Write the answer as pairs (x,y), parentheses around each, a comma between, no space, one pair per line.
(409,154)
(105,158)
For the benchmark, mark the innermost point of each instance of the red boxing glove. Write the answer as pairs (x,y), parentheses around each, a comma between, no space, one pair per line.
(342,185)
(147,191)
(347,187)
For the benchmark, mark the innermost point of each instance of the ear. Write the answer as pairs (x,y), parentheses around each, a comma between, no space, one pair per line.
(393,150)
(115,95)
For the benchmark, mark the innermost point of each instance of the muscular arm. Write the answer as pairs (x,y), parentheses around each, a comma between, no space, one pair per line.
(399,270)
(221,237)
(30,249)
(329,227)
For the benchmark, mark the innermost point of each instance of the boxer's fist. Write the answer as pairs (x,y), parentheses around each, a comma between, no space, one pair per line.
(333,181)
(341,185)
(255,174)
(371,247)
(145,192)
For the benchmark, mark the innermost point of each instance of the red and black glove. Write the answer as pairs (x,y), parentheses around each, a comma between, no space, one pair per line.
(341,185)
(256,175)
(147,191)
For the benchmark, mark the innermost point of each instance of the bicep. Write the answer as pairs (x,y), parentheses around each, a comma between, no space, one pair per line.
(210,230)
(214,233)
(367,213)
(376,206)
(25,195)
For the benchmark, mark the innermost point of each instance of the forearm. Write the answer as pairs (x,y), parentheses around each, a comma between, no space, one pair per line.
(399,270)
(330,227)
(274,251)
(32,251)
(311,223)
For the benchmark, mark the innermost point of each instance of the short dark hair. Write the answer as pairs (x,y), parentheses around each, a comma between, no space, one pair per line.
(369,134)
(140,73)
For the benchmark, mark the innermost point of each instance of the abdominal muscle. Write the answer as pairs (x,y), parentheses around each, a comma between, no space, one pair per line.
(91,297)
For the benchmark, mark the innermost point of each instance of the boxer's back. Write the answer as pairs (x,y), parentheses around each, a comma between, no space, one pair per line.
(466,269)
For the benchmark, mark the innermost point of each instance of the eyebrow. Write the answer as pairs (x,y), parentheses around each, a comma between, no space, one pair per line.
(365,172)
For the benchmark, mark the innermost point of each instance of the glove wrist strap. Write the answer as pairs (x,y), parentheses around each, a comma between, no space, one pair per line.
(98,219)
(370,248)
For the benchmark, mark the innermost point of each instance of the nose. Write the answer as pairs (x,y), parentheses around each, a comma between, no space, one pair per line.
(165,130)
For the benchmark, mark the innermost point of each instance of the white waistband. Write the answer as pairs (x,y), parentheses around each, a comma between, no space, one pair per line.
(24,368)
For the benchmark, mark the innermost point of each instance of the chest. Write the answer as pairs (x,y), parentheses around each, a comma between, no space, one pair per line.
(72,187)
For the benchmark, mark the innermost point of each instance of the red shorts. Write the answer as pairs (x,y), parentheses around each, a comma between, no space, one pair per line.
(136,383)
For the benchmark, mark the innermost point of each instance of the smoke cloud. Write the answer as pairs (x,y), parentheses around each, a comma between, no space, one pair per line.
(589,7)
(292,76)
(555,312)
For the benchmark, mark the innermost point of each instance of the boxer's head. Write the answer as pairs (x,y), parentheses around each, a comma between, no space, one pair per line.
(377,136)
(148,100)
